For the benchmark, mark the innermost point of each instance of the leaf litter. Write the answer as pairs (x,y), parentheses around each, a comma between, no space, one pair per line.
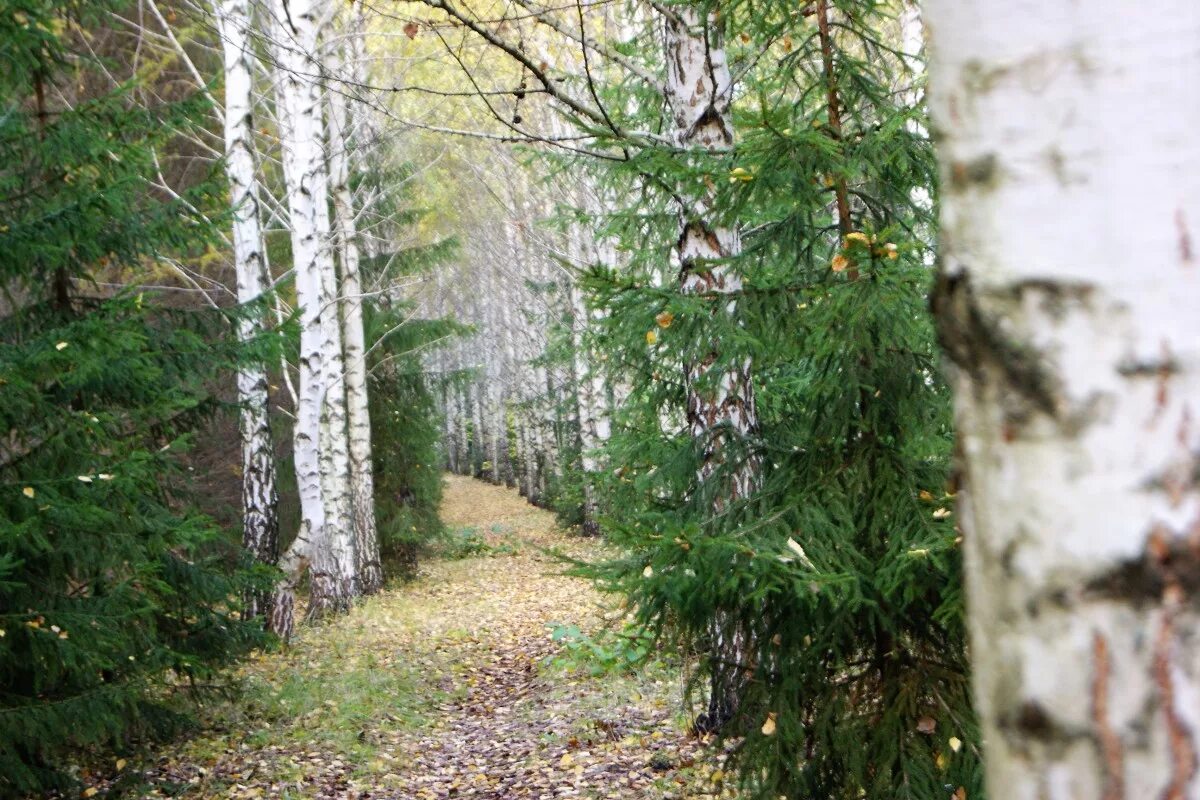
(449,686)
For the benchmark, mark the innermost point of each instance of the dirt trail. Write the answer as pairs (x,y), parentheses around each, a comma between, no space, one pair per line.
(444,688)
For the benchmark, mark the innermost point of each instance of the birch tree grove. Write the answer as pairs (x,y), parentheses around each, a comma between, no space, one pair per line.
(259,494)
(871,389)
(1067,301)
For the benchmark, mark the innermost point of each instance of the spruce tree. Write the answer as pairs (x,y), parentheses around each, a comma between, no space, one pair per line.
(842,571)
(112,587)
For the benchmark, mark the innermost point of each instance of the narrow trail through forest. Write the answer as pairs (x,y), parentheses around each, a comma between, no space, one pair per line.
(452,686)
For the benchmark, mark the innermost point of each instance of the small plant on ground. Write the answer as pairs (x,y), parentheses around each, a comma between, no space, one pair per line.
(608,651)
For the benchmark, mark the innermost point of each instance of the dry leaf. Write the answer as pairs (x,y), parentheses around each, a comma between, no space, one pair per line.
(768,727)
(410,30)
(28,491)
(926,725)
(795,547)
(665,319)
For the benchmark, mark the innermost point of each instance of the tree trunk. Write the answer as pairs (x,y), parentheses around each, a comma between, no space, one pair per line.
(362,481)
(1068,303)
(321,453)
(720,398)
(260,532)
(588,411)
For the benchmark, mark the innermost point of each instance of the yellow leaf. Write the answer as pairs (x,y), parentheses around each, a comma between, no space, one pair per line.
(28,491)
(768,727)
(839,263)
(942,513)
(941,761)
(566,760)
(926,496)
(120,763)
(718,776)
(665,319)
(104,476)
(91,791)
(648,572)
(955,743)
(85,479)
(740,174)
(857,236)
(62,345)
(651,336)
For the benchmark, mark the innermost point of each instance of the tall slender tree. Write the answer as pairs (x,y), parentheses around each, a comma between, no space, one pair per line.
(325,541)
(1067,301)
(260,499)
(342,143)
(720,393)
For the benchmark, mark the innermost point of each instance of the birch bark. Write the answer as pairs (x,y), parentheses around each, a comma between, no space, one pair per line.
(362,482)
(1067,301)
(720,398)
(260,533)
(325,537)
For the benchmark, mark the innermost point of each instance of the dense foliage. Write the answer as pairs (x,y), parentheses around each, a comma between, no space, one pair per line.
(405,418)
(114,593)
(841,575)
(405,434)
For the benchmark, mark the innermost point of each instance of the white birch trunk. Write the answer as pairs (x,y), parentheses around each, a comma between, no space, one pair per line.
(260,533)
(700,92)
(362,481)
(321,451)
(1069,302)
(720,404)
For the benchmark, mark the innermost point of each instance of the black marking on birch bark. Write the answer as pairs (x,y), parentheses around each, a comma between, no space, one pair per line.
(976,344)
(978,172)
(1168,561)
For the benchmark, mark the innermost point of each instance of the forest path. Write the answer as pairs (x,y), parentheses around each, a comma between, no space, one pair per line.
(452,686)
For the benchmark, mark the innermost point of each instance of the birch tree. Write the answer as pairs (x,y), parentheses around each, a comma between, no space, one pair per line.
(720,396)
(325,537)
(1067,302)
(260,534)
(362,485)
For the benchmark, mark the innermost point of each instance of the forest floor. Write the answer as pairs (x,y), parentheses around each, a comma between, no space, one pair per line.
(453,685)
